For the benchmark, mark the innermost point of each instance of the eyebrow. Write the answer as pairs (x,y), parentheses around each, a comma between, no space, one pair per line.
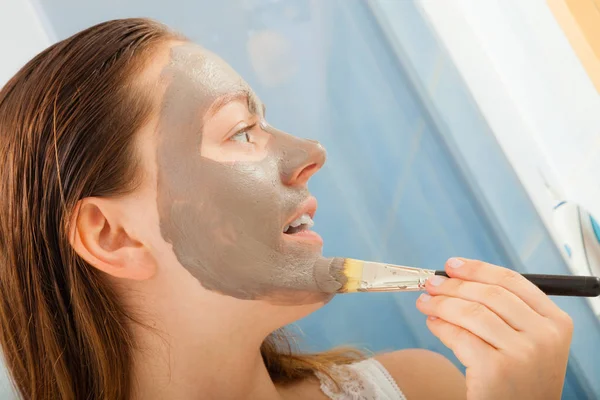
(243,95)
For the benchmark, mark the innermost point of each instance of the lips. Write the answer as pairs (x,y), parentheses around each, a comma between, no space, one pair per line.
(301,221)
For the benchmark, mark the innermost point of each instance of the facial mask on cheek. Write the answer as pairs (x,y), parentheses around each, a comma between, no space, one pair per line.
(225,221)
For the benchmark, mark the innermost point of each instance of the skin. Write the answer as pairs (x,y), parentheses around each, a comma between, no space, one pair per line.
(205,331)
(225,196)
(512,338)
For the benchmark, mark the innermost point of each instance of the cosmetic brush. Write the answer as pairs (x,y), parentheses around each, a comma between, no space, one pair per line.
(367,276)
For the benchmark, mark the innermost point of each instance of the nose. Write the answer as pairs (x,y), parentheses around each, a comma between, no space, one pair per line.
(300,160)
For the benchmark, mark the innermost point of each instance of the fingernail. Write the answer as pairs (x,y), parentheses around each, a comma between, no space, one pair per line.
(432,318)
(455,263)
(425,297)
(437,280)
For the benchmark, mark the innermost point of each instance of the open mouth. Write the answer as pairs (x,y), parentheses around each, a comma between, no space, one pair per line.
(300,224)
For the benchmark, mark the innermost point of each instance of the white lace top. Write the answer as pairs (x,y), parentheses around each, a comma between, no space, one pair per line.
(365,380)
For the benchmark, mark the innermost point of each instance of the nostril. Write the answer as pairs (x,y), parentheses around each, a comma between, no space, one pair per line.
(307,172)
(299,160)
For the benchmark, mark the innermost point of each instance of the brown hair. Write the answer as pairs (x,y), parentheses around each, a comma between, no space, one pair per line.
(67,124)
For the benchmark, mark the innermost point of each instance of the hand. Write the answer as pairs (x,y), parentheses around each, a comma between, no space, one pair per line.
(513,340)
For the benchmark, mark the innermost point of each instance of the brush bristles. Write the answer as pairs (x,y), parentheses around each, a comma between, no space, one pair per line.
(353,271)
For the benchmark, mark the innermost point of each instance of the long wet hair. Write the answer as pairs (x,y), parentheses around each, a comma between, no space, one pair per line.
(68,121)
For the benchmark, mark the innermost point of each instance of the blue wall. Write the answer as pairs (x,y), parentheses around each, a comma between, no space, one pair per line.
(414,174)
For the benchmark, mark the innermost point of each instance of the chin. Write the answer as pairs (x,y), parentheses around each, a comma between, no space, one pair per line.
(293,307)
(297,298)
(285,314)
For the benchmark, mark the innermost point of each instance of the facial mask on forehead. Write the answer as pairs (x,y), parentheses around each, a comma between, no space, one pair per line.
(225,220)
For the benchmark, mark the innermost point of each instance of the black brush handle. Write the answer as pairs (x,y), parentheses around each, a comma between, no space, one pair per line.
(561,285)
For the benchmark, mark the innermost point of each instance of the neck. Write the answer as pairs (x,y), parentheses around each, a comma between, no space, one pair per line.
(192,368)
(187,354)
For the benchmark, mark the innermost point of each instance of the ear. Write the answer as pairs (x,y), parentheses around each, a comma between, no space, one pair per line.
(97,234)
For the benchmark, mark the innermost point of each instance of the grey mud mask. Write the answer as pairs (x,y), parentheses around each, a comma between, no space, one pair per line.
(225,219)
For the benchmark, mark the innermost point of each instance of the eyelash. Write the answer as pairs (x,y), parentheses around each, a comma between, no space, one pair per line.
(244,131)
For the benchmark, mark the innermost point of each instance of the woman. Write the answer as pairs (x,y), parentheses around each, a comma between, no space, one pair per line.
(154,234)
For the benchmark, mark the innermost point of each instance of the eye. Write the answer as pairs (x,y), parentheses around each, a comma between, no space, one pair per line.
(243,135)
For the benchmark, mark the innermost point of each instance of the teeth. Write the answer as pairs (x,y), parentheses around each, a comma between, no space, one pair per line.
(304,219)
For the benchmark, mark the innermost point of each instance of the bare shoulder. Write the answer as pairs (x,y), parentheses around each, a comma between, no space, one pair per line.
(423,374)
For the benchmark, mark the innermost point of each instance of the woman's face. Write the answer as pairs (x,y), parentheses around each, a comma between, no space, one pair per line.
(229,185)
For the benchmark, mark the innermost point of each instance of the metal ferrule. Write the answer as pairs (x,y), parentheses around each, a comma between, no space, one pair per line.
(379,277)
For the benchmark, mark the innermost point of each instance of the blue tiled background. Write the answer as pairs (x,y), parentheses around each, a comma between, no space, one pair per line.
(414,173)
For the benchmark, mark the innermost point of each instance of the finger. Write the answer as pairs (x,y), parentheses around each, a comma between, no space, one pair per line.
(468,348)
(514,311)
(472,316)
(478,271)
